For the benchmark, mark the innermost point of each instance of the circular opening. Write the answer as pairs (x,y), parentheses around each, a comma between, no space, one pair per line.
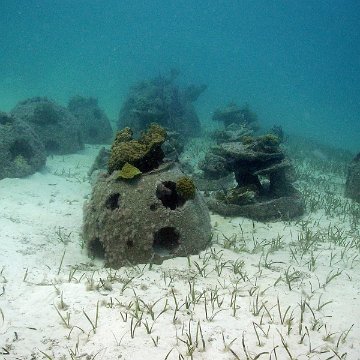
(21,148)
(5,119)
(129,243)
(166,240)
(166,192)
(153,207)
(97,249)
(112,202)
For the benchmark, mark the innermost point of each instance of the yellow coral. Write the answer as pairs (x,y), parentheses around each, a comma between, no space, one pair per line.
(124,135)
(128,172)
(269,139)
(247,140)
(144,153)
(267,142)
(185,187)
(154,135)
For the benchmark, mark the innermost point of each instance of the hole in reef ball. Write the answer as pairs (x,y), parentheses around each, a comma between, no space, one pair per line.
(97,249)
(112,202)
(21,148)
(166,240)
(153,207)
(130,243)
(166,192)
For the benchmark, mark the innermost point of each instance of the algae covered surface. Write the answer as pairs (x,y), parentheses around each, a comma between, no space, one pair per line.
(179,180)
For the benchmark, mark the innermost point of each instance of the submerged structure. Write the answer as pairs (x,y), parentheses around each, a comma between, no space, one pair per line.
(21,151)
(95,127)
(352,186)
(262,172)
(234,114)
(160,100)
(56,127)
(141,209)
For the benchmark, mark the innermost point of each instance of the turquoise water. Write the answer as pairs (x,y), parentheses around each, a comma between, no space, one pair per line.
(295,62)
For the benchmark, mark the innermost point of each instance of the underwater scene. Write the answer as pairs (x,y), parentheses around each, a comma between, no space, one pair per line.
(179,179)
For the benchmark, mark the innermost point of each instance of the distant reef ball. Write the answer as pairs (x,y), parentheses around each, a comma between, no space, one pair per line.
(57,128)
(21,151)
(352,186)
(95,126)
(161,101)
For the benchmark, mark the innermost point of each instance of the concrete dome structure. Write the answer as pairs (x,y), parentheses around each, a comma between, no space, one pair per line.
(145,219)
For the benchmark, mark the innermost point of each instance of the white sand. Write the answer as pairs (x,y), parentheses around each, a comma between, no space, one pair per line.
(48,309)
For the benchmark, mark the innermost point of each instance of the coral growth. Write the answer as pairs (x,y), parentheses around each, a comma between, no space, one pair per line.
(239,196)
(185,187)
(264,143)
(128,172)
(264,187)
(145,153)
(144,221)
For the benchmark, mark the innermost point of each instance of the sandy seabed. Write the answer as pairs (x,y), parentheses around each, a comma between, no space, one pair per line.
(277,290)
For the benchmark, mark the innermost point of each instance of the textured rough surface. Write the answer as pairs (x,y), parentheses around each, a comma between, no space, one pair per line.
(101,161)
(250,150)
(352,186)
(21,151)
(144,220)
(208,184)
(173,145)
(95,126)
(160,100)
(56,127)
(214,167)
(171,148)
(145,153)
(185,187)
(284,208)
(233,114)
(233,132)
(128,172)
(263,175)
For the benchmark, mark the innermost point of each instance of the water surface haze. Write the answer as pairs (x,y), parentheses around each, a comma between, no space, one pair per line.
(295,62)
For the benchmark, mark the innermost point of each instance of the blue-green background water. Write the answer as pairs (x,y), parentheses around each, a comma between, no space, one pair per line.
(296,62)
